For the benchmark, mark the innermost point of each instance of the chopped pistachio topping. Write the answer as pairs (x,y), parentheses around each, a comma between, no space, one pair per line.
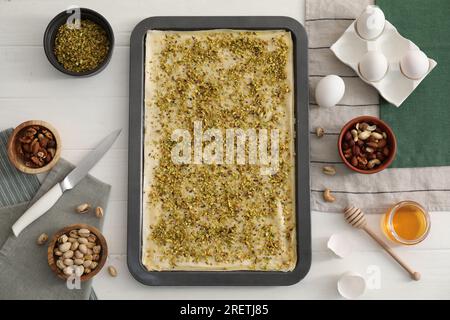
(223,213)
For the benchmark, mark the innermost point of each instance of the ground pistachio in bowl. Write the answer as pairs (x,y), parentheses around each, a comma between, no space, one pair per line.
(81,49)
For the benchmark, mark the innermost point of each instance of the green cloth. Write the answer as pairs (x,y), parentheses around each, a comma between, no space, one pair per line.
(422,123)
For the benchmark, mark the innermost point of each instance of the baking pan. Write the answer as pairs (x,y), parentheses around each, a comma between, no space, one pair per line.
(136,160)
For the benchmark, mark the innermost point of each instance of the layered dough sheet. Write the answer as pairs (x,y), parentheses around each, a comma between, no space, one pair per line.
(219,213)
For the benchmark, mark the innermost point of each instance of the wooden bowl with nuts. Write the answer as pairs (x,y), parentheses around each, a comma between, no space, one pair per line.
(78,249)
(367,145)
(34,147)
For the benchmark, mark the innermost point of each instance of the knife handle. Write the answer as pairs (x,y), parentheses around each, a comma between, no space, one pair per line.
(40,207)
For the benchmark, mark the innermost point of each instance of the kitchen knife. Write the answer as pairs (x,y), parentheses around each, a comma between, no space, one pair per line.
(49,199)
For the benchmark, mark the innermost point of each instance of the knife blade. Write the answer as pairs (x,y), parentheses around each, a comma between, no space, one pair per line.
(48,200)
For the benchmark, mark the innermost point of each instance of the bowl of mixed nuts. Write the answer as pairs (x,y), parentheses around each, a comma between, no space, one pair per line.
(367,145)
(79,250)
(34,147)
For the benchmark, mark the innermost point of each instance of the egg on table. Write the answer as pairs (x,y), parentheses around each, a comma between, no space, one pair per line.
(373,66)
(370,23)
(329,91)
(415,64)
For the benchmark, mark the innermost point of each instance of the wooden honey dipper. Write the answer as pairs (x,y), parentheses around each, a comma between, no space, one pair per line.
(357,219)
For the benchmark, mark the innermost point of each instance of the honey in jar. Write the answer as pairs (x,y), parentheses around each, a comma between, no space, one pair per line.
(407,222)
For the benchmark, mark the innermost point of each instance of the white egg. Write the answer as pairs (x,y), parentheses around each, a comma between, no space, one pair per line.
(329,91)
(370,23)
(415,64)
(351,285)
(373,66)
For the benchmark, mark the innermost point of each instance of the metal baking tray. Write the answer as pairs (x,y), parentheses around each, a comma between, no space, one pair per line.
(135,159)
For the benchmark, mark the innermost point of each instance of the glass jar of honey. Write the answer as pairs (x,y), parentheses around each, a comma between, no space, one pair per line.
(407,222)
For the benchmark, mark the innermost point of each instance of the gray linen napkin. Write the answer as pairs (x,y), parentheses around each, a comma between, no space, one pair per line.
(24,272)
(15,186)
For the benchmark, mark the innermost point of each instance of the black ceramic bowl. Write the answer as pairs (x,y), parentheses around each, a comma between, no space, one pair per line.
(60,19)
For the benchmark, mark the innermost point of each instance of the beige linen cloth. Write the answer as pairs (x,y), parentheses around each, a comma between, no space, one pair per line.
(325,22)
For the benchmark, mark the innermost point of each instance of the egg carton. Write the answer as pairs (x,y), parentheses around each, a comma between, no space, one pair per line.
(394,86)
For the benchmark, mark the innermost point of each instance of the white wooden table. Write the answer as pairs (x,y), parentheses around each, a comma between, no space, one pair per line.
(85,110)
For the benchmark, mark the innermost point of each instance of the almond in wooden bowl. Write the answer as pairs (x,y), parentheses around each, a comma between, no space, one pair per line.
(79,250)
(34,147)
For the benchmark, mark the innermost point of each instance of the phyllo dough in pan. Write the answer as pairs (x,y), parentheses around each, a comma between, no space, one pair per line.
(208,96)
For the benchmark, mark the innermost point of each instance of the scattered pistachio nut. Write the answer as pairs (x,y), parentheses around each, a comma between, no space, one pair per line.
(83,208)
(112,271)
(329,170)
(327,196)
(99,212)
(320,132)
(42,239)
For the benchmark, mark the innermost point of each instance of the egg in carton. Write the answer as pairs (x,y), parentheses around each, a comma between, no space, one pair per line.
(381,57)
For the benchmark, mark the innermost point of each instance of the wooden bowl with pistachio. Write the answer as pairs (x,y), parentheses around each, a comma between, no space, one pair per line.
(79,250)
(34,147)
(367,145)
